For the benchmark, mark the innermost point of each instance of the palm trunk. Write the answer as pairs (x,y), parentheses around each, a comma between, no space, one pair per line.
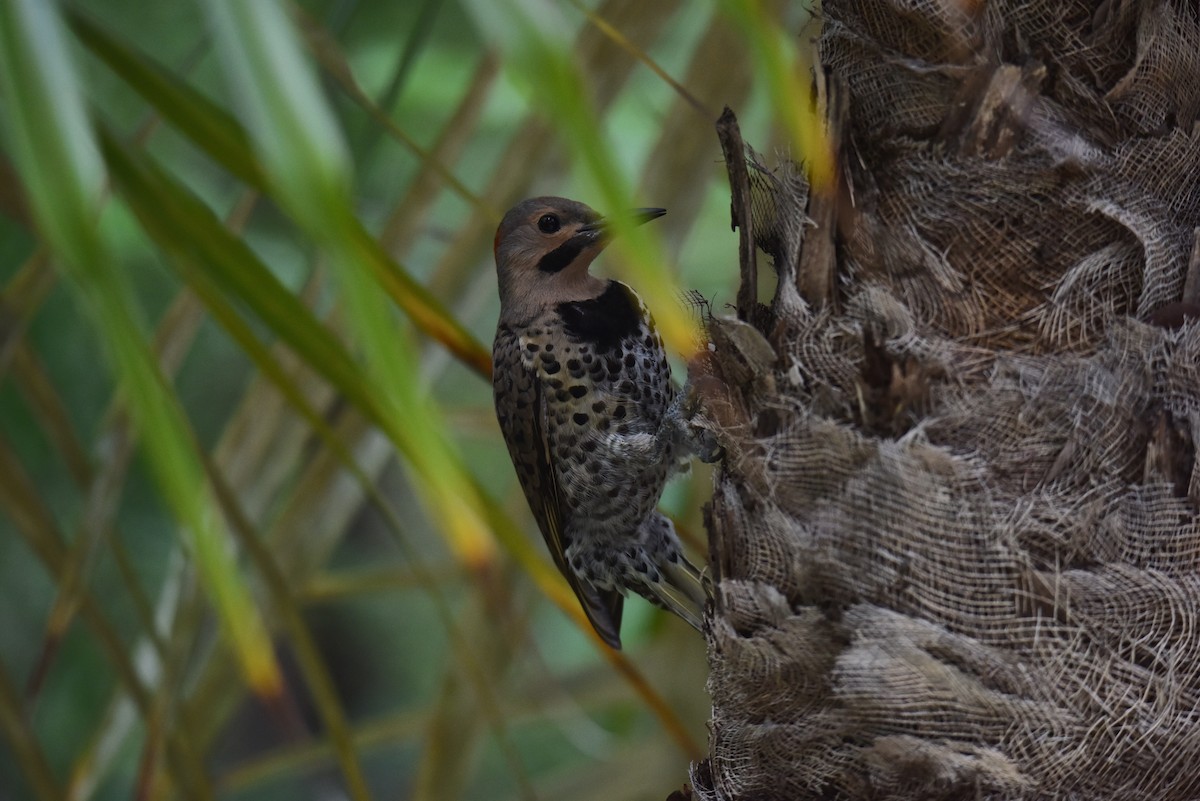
(955,537)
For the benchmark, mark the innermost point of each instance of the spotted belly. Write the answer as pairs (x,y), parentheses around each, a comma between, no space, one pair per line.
(605,409)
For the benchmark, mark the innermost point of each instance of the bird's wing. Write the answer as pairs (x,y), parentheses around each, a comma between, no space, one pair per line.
(522,411)
(602,607)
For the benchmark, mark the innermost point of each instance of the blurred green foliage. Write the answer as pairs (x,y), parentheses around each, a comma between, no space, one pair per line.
(306,339)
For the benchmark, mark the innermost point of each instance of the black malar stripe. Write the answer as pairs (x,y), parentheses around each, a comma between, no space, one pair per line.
(561,256)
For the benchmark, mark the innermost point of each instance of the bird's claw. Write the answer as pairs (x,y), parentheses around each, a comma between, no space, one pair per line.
(708,450)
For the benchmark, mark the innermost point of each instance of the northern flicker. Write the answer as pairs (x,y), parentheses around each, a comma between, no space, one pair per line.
(585,399)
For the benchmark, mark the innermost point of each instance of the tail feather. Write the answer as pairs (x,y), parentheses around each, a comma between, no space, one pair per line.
(681,591)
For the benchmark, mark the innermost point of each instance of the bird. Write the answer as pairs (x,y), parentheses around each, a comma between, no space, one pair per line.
(591,417)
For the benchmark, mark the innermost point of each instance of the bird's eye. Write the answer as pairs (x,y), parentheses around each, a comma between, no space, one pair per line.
(549,223)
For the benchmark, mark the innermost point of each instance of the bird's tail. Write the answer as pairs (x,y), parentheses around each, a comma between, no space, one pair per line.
(683,591)
(683,588)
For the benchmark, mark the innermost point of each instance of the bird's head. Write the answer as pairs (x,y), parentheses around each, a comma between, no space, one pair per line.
(544,246)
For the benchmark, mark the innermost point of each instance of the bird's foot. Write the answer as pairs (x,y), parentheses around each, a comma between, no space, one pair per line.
(689,429)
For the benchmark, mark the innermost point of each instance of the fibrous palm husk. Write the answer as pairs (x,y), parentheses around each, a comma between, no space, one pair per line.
(955,537)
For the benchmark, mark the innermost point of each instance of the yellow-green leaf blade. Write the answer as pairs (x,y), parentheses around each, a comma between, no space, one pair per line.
(58,161)
(298,141)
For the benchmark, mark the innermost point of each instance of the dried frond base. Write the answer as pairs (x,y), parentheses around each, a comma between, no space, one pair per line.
(956,537)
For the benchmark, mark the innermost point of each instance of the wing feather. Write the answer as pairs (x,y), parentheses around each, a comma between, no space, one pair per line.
(522,410)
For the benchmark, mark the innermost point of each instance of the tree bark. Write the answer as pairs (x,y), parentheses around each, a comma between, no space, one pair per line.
(955,535)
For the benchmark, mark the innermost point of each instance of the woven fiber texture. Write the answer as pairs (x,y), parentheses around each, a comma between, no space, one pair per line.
(955,537)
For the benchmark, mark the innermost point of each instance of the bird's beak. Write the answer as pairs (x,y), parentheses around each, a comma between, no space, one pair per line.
(643,216)
(601,231)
